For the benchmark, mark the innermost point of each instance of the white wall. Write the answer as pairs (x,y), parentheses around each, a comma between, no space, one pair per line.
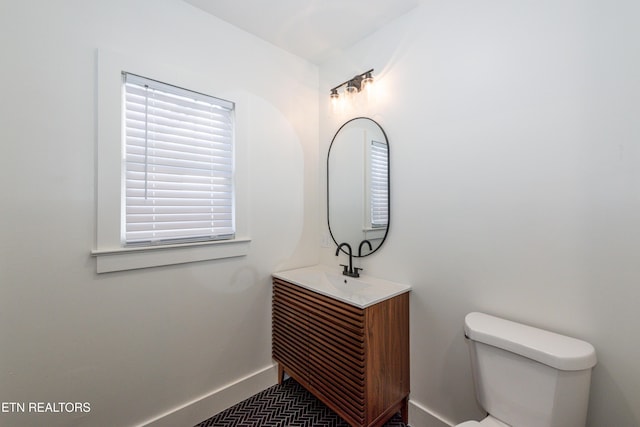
(515,179)
(137,344)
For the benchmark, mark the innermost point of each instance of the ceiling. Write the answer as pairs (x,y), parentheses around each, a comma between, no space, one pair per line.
(311,29)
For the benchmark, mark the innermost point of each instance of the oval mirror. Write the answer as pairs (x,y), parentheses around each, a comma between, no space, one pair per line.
(358,186)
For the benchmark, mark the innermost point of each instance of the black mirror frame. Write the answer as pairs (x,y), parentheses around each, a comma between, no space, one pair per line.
(388,185)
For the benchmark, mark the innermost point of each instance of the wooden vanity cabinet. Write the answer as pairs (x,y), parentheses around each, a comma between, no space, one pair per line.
(355,360)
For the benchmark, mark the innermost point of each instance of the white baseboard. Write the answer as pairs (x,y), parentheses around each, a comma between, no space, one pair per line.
(203,407)
(419,416)
(191,413)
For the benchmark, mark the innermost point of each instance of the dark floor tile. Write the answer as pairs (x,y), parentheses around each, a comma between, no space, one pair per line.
(285,405)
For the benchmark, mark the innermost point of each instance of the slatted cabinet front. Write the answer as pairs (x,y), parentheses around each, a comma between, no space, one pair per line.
(325,345)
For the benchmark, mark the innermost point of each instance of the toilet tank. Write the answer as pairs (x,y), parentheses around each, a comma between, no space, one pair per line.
(529,377)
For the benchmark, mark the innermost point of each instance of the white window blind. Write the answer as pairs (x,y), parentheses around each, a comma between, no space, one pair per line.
(178,183)
(379,184)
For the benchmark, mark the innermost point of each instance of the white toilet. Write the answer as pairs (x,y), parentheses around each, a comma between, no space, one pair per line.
(527,377)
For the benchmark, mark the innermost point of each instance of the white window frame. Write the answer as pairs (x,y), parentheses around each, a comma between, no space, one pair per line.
(109,251)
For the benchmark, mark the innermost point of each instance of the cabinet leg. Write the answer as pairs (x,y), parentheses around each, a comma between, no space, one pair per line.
(280,373)
(404,411)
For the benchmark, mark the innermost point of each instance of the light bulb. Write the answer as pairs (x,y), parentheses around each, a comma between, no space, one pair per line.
(350,91)
(337,101)
(367,81)
(367,85)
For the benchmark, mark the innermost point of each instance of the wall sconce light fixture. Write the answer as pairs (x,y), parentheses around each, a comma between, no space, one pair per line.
(361,82)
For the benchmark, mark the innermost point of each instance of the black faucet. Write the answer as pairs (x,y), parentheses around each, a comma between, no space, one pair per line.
(362,243)
(348,270)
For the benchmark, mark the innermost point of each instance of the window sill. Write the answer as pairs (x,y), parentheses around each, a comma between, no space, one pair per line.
(122,259)
(374,233)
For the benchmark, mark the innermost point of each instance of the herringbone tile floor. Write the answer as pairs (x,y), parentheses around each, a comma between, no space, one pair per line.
(286,405)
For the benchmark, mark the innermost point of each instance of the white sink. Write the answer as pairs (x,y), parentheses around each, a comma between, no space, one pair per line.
(360,292)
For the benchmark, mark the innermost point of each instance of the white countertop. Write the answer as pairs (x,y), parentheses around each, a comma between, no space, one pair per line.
(361,292)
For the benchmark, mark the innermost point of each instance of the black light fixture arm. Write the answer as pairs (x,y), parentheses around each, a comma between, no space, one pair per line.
(355,81)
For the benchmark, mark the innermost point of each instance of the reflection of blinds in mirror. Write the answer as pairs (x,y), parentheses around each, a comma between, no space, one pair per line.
(379,186)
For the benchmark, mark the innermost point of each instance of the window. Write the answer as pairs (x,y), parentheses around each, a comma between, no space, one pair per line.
(178,164)
(172,166)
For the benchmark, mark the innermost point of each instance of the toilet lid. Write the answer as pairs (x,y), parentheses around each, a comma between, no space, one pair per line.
(492,422)
(487,422)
